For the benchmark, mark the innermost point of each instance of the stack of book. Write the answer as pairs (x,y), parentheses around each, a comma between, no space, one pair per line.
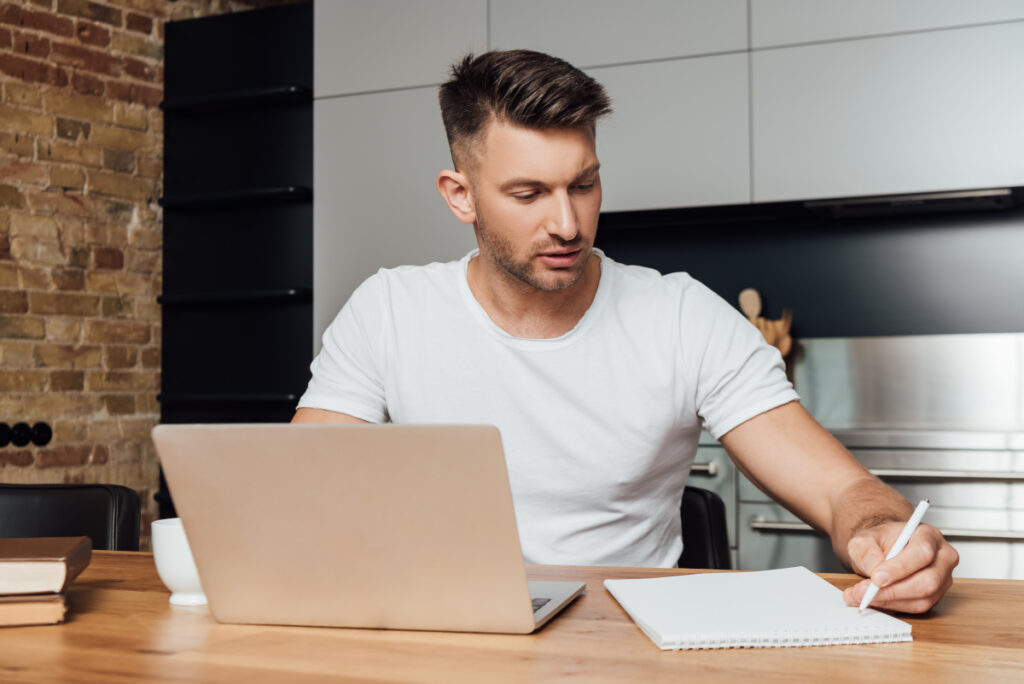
(34,573)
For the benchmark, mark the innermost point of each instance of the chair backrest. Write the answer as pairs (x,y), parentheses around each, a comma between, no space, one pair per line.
(705,535)
(107,514)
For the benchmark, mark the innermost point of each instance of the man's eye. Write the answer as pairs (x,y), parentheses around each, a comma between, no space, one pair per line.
(583,187)
(526,197)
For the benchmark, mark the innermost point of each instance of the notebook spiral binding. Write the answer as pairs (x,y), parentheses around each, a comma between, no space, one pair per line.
(788,639)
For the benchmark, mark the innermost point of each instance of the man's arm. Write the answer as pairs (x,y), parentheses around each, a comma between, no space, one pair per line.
(789,456)
(312,415)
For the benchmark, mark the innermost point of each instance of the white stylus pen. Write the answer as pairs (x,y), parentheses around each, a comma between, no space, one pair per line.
(901,541)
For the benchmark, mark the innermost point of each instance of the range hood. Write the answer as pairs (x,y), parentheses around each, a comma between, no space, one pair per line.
(811,212)
(992,199)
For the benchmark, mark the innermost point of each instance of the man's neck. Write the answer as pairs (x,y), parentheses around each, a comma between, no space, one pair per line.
(524,311)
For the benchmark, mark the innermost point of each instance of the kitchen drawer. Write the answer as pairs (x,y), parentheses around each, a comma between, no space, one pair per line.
(977,501)
(977,479)
(715,471)
(761,549)
(990,542)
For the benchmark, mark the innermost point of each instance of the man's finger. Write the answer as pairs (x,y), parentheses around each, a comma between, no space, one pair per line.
(853,594)
(919,553)
(914,594)
(912,598)
(865,553)
(896,597)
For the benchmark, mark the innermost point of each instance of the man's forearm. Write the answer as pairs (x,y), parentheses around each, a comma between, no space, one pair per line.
(787,454)
(864,503)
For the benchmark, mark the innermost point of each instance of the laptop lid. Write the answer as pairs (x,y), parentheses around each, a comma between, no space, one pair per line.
(380,526)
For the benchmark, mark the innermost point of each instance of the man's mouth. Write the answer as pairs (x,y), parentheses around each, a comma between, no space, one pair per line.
(561,258)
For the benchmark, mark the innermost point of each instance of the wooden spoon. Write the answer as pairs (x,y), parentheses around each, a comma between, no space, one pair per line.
(785,341)
(785,346)
(750,304)
(787,321)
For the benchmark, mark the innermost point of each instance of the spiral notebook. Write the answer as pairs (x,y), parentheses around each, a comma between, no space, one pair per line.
(766,609)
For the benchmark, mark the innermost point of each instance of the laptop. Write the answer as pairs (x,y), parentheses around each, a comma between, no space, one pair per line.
(374,526)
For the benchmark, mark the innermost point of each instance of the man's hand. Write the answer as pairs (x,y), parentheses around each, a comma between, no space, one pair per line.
(912,581)
(793,459)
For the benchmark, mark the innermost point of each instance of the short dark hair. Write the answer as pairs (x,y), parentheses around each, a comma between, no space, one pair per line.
(521,87)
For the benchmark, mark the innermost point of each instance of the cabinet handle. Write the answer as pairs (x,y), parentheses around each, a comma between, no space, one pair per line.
(762,525)
(983,535)
(968,475)
(710,468)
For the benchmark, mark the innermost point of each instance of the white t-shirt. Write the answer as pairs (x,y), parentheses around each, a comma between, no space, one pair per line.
(599,426)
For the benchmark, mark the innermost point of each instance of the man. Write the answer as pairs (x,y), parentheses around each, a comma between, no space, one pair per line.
(599,375)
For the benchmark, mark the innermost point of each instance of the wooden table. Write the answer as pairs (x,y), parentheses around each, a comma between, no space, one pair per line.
(122,629)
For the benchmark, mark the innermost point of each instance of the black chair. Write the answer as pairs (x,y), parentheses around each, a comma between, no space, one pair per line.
(107,514)
(705,535)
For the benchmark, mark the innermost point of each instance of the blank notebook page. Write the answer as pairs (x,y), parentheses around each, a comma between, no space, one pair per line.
(770,608)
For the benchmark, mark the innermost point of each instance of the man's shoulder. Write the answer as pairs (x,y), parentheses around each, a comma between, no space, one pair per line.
(409,287)
(640,278)
(421,271)
(650,290)
(415,278)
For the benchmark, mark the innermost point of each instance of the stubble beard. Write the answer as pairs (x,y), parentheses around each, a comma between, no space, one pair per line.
(502,252)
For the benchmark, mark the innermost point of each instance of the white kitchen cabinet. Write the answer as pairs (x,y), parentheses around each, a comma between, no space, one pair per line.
(374,167)
(786,22)
(919,112)
(600,32)
(679,135)
(364,45)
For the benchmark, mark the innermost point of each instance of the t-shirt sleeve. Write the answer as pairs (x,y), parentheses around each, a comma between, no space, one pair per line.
(346,373)
(739,375)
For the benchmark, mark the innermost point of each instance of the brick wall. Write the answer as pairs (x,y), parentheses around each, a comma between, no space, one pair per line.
(80,234)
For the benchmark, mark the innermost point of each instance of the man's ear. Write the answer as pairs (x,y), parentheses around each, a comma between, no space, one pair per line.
(457,192)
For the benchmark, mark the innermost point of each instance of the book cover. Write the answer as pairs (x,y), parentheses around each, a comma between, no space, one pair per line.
(37,609)
(35,565)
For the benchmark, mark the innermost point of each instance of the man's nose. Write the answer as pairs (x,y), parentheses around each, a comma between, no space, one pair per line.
(563,222)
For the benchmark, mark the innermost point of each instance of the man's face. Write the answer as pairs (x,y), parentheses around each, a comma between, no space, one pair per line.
(537,197)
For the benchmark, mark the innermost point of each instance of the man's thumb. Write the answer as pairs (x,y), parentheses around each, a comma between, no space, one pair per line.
(865,553)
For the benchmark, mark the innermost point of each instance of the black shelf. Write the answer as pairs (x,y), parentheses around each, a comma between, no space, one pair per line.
(239,99)
(290,295)
(230,198)
(226,398)
(237,307)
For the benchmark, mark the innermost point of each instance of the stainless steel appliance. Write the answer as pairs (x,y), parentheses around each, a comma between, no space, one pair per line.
(938,417)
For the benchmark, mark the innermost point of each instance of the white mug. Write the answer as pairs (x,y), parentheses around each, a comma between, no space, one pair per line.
(174,563)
